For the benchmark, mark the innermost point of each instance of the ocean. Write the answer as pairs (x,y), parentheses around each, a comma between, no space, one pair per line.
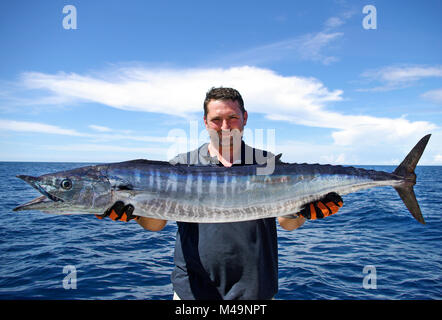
(371,249)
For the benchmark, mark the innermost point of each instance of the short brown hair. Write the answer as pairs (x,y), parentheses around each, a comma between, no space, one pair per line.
(223,94)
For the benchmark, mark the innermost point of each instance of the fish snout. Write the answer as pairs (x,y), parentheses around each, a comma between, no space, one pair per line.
(29,179)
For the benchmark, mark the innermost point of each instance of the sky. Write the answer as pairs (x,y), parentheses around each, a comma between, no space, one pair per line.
(339,82)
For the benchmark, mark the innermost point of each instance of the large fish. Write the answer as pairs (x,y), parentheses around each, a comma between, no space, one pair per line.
(202,194)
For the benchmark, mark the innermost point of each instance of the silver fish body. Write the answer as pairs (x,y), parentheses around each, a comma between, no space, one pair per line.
(207,194)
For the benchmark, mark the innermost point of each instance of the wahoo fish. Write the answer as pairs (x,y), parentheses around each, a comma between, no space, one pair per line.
(208,194)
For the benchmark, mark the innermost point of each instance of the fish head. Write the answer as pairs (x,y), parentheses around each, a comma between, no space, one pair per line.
(82,190)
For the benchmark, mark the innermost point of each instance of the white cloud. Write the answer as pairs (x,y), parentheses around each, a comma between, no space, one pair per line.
(317,152)
(100,128)
(295,99)
(333,22)
(368,130)
(179,92)
(309,47)
(91,147)
(89,152)
(434,96)
(438,158)
(332,159)
(395,77)
(408,74)
(36,127)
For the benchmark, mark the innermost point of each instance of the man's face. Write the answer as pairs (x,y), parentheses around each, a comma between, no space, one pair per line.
(225,122)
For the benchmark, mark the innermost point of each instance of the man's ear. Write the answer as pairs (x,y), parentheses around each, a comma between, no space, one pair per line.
(245,116)
(205,121)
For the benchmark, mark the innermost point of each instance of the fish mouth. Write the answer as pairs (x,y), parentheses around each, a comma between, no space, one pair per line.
(45,199)
(34,204)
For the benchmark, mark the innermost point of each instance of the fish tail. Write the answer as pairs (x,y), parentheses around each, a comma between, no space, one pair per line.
(406,170)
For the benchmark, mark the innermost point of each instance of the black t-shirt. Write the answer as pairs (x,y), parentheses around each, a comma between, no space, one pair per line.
(236,260)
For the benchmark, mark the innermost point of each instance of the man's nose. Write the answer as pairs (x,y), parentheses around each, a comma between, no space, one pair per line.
(225,125)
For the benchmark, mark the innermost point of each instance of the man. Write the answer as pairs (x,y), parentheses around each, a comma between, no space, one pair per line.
(227,260)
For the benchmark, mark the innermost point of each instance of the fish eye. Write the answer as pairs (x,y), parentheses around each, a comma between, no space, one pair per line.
(66,184)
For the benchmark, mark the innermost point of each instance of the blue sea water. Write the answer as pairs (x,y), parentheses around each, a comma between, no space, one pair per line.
(371,249)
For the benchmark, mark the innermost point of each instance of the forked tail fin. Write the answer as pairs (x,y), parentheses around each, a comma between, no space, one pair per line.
(406,170)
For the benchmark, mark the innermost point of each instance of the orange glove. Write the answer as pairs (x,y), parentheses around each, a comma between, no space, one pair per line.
(328,205)
(119,211)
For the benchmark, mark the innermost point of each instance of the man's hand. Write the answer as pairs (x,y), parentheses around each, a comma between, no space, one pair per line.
(328,205)
(119,211)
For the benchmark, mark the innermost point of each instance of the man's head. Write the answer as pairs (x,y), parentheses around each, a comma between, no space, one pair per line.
(224,115)
(223,94)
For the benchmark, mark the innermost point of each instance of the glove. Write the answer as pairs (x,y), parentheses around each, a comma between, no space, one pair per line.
(326,206)
(119,211)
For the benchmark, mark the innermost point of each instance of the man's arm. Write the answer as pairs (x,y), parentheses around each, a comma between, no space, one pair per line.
(291,223)
(151,223)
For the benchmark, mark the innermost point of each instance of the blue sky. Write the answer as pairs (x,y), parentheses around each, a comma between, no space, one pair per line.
(129,82)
